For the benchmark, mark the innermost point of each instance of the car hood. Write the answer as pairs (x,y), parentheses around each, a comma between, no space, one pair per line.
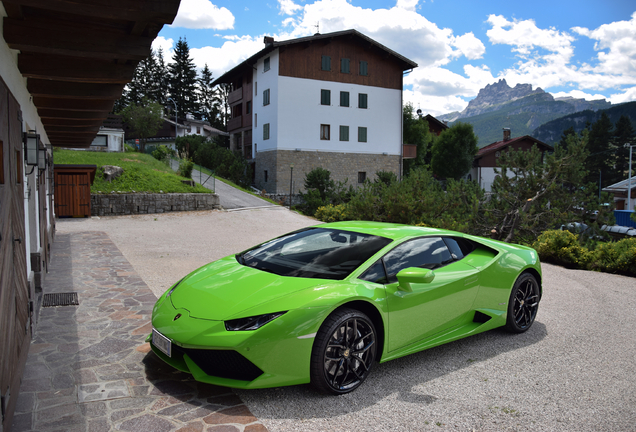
(224,288)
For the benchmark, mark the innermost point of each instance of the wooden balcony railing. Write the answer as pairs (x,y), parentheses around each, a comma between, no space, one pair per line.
(409,151)
(234,123)
(235,96)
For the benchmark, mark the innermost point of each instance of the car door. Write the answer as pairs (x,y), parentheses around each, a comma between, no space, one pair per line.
(433,307)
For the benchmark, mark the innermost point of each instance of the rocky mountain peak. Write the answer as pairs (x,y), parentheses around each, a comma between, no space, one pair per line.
(493,95)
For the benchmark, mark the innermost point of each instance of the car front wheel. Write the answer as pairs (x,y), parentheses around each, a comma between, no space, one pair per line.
(523,304)
(343,353)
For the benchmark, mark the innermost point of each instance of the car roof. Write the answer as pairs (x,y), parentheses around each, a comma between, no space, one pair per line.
(388,230)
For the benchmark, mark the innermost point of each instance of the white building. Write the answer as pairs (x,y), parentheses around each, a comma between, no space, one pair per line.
(330,100)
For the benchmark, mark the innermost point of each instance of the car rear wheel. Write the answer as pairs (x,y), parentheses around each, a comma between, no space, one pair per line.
(523,304)
(343,352)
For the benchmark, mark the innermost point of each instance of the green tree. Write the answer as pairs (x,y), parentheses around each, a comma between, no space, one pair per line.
(454,151)
(623,137)
(161,79)
(600,161)
(563,143)
(210,103)
(535,192)
(144,119)
(415,131)
(182,79)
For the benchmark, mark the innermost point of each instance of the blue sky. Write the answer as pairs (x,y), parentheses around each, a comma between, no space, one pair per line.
(584,49)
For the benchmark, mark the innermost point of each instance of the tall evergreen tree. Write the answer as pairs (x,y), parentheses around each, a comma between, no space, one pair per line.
(161,79)
(563,143)
(454,151)
(415,131)
(182,79)
(624,136)
(209,100)
(600,162)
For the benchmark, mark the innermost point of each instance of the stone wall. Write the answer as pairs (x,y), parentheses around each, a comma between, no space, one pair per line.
(140,203)
(343,166)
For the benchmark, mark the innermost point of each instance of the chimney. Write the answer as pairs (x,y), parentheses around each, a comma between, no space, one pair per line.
(506,132)
(268,40)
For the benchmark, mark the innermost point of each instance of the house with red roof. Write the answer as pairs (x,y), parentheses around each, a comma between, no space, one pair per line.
(486,159)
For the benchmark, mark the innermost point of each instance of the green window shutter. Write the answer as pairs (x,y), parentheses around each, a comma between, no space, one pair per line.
(344,99)
(344,65)
(266,97)
(344,133)
(362,134)
(364,68)
(266,131)
(326,63)
(325,97)
(362,100)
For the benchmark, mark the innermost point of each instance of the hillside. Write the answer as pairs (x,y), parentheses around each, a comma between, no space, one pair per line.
(521,109)
(551,131)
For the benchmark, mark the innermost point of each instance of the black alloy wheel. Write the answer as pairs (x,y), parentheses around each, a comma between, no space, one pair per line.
(523,304)
(343,353)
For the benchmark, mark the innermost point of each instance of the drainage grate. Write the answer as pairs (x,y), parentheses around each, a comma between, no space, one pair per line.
(60,299)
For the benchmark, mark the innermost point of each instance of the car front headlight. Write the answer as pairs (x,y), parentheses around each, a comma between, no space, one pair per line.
(251,323)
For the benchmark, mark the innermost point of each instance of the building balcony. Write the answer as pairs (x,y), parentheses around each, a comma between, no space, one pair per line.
(409,151)
(235,96)
(235,123)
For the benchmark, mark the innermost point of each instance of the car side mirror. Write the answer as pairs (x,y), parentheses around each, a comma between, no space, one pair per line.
(414,275)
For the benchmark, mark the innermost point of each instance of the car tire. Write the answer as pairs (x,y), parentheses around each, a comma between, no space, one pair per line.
(523,304)
(344,351)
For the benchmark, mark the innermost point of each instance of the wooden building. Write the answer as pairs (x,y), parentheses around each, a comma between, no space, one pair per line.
(330,100)
(62,66)
(483,171)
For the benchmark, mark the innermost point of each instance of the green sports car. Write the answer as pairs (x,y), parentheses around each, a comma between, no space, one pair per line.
(324,303)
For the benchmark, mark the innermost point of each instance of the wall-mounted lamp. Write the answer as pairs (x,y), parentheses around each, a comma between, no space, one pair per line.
(42,159)
(31,142)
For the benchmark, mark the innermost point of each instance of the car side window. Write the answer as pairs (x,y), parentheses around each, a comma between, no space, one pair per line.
(459,247)
(375,273)
(425,252)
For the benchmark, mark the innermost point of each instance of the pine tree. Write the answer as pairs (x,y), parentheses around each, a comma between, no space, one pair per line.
(161,79)
(600,162)
(623,137)
(415,131)
(454,151)
(182,79)
(209,100)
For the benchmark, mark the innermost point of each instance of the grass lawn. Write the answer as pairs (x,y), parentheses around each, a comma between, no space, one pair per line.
(142,172)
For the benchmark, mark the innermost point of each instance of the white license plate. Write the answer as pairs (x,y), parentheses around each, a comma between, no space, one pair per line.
(163,343)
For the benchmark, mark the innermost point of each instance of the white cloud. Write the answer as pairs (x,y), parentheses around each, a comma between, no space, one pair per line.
(228,55)
(288,7)
(628,95)
(619,39)
(526,36)
(409,5)
(578,94)
(202,14)
(469,46)
(166,45)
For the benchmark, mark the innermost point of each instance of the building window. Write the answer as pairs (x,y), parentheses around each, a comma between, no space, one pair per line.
(326,63)
(255,88)
(324,132)
(362,176)
(198,130)
(364,68)
(266,97)
(266,131)
(344,99)
(100,141)
(265,176)
(344,65)
(344,133)
(266,64)
(248,107)
(325,97)
(255,119)
(362,134)
(362,100)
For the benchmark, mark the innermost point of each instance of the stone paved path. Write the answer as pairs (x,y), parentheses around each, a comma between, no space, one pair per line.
(89,368)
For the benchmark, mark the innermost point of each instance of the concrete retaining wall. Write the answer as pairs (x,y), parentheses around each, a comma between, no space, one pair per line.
(140,203)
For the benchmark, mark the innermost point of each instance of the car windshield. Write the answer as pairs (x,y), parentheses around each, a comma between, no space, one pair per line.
(314,253)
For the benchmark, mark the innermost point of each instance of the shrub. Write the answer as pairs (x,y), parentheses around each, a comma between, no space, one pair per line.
(332,213)
(162,153)
(322,191)
(615,257)
(185,168)
(563,248)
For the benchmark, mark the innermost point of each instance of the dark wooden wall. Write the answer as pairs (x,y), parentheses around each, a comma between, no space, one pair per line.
(15,331)
(303,60)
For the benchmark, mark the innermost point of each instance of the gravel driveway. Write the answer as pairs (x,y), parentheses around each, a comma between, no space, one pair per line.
(573,371)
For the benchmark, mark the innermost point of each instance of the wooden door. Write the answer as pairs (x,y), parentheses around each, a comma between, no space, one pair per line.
(15,332)
(72,194)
